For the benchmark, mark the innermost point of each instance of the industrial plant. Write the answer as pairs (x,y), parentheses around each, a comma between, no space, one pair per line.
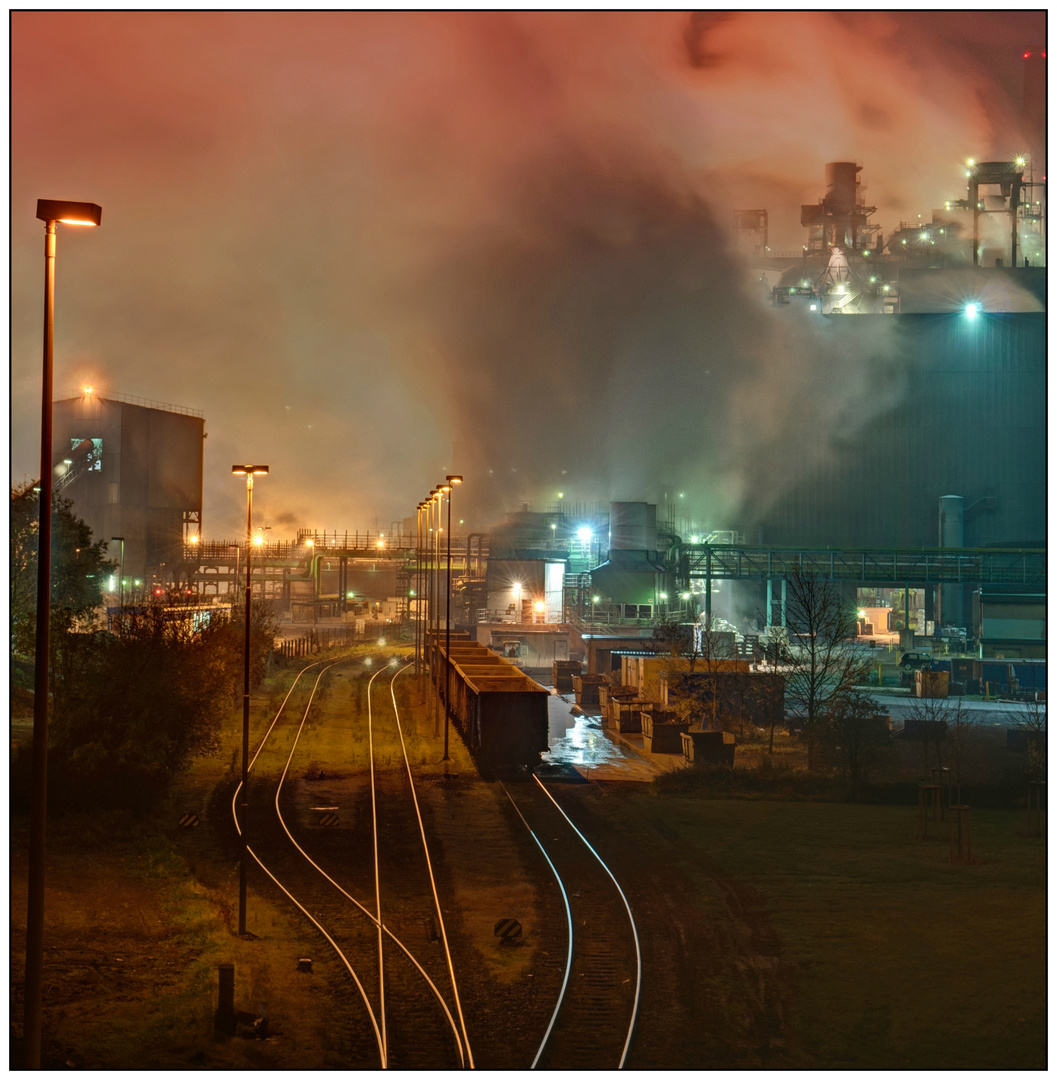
(930,512)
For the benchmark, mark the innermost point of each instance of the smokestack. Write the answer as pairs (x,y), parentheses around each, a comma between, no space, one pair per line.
(1033,110)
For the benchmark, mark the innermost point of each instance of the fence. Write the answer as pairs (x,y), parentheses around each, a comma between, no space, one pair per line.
(316,641)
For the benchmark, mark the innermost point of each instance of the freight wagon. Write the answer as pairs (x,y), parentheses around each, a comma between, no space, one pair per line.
(500,712)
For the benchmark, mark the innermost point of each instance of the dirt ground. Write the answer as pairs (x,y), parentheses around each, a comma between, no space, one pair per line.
(140,914)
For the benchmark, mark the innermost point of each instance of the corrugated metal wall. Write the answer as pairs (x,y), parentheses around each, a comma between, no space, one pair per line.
(972,423)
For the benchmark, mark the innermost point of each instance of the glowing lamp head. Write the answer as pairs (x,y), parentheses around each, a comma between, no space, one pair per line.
(584,534)
(539,606)
(972,310)
(69,213)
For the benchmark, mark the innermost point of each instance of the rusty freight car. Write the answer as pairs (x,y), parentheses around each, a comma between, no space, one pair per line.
(500,711)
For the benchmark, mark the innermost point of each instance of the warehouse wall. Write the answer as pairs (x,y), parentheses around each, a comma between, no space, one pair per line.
(971,422)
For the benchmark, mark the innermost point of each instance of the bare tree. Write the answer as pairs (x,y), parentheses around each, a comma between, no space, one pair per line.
(963,747)
(859,735)
(824,664)
(943,732)
(696,648)
(1030,717)
(925,729)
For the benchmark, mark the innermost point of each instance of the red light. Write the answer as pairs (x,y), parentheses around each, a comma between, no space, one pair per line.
(1026,55)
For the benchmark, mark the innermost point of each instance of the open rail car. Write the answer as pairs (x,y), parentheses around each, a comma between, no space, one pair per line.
(500,712)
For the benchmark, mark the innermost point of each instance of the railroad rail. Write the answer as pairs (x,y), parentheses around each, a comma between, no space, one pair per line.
(594,1018)
(370,915)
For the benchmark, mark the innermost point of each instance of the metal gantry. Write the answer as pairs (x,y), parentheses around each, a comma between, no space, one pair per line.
(868,566)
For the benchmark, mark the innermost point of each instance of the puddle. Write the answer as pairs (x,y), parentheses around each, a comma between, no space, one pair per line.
(580,740)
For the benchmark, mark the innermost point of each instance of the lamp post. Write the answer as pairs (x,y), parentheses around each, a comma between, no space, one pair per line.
(51,212)
(434,631)
(451,482)
(442,490)
(419,592)
(249,471)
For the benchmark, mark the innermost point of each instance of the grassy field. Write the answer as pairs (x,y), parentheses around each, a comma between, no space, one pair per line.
(900,959)
(894,957)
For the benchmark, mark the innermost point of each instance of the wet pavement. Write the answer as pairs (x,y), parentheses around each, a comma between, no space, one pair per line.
(579,744)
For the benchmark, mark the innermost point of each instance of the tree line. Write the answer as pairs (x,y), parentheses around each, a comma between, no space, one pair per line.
(132,702)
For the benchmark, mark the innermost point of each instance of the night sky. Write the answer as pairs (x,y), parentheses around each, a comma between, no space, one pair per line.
(373,248)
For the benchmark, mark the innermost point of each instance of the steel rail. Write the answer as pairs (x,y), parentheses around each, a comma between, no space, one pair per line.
(308,858)
(377,873)
(396,941)
(627,907)
(429,864)
(315,922)
(568,923)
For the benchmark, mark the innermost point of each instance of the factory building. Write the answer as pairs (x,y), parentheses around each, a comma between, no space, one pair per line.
(133,471)
(970,422)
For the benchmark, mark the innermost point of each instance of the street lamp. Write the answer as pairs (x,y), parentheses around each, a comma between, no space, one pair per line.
(249,471)
(423,594)
(451,482)
(435,497)
(51,212)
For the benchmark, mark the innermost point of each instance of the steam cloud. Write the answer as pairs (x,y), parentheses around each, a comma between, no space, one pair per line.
(394,244)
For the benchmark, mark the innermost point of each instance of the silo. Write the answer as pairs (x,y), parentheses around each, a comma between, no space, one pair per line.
(952,535)
(632,526)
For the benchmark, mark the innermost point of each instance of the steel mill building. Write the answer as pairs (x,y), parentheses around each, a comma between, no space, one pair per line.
(133,471)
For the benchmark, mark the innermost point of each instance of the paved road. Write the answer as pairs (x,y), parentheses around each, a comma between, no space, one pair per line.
(997,713)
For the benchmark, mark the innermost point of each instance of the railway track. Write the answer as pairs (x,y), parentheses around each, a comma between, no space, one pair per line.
(345,845)
(594,1018)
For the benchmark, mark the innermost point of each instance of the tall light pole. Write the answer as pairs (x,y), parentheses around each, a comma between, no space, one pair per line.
(434,513)
(418,591)
(442,490)
(451,482)
(249,471)
(51,212)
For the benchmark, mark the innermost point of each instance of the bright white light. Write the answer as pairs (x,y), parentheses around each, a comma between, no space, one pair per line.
(584,534)
(813,307)
(972,310)
(381,642)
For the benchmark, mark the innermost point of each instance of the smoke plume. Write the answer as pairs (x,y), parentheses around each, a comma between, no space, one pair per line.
(373,246)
